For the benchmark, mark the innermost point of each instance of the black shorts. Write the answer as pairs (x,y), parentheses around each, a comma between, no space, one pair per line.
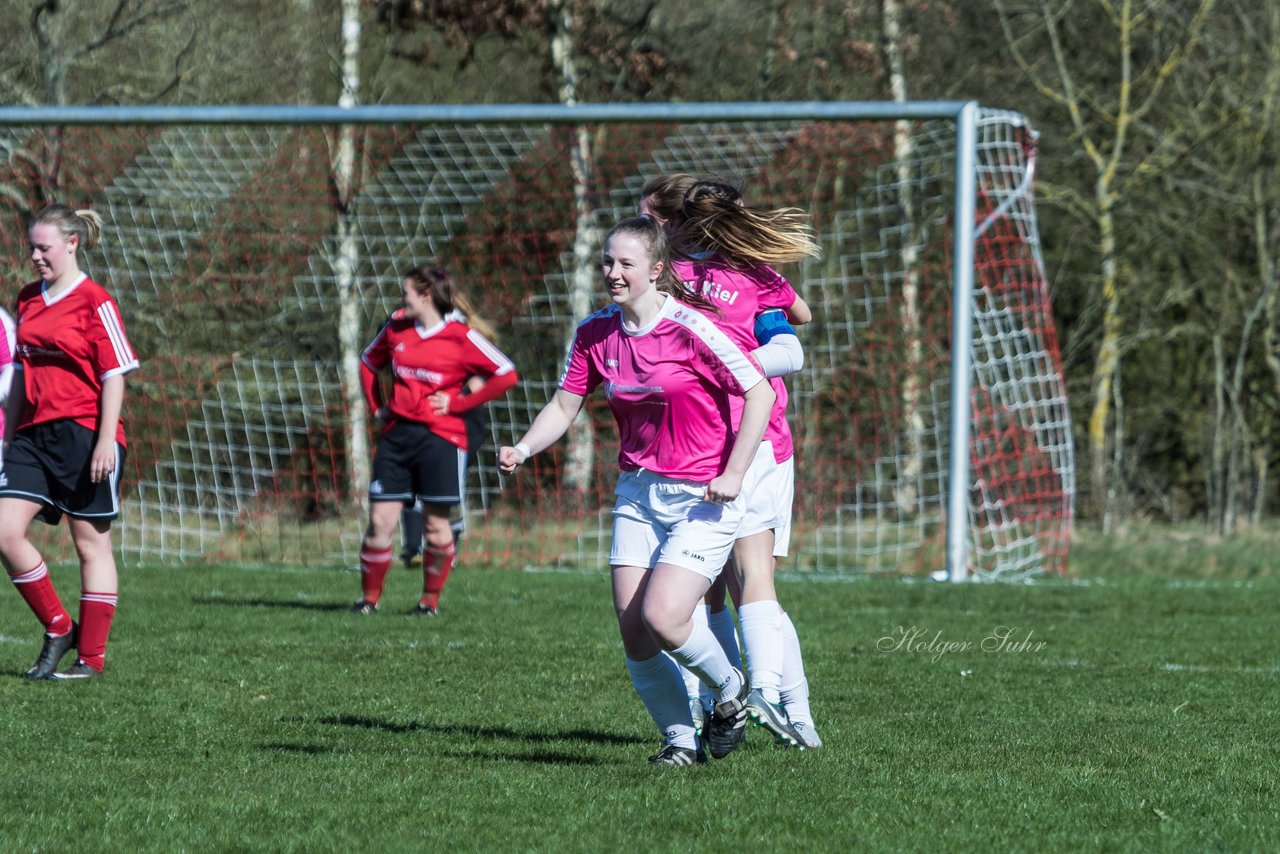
(412,463)
(49,464)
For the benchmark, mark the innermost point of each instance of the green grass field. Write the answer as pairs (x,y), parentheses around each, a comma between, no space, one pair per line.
(243,709)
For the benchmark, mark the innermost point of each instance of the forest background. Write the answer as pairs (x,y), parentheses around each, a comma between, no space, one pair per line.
(1158,181)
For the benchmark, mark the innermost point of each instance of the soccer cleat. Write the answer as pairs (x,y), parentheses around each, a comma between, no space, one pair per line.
(363,607)
(809,739)
(51,653)
(421,610)
(412,560)
(671,756)
(728,725)
(773,717)
(79,670)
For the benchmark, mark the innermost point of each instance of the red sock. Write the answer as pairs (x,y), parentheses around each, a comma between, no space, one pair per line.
(374,564)
(435,572)
(36,587)
(96,611)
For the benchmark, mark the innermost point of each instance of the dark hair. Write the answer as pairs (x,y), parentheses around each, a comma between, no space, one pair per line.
(647,229)
(444,293)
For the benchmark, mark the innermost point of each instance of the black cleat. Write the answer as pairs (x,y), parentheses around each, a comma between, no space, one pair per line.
(421,610)
(52,652)
(671,756)
(363,607)
(728,725)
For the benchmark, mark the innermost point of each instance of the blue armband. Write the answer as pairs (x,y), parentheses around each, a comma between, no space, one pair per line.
(770,323)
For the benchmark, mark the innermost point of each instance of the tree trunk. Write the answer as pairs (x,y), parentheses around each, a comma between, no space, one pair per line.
(345,174)
(53,85)
(1108,361)
(907,492)
(580,458)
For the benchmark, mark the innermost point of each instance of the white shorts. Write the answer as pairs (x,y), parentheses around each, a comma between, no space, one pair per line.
(785,494)
(770,490)
(663,520)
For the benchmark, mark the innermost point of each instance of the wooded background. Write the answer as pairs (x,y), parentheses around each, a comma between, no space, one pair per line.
(1158,180)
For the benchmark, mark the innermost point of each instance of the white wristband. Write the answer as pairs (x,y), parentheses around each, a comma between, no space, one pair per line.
(525,453)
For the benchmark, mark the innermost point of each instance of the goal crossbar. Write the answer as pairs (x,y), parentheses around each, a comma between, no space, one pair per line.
(965,225)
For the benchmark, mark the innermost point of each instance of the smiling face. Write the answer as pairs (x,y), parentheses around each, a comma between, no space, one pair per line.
(418,306)
(630,272)
(52,254)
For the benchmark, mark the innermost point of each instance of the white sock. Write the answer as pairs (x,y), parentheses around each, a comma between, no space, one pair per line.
(657,682)
(692,684)
(725,628)
(794,687)
(702,654)
(762,637)
(726,631)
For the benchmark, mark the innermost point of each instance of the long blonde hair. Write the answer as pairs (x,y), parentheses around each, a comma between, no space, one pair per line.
(84,225)
(713,218)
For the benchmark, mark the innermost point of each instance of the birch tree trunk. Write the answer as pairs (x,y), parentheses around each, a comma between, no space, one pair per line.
(346,260)
(907,492)
(580,457)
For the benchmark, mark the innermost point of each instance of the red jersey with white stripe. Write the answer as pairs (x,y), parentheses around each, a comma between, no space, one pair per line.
(426,360)
(741,296)
(668,386)
(67,346)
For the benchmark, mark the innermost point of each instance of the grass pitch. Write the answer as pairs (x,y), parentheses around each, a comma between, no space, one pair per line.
(245,710)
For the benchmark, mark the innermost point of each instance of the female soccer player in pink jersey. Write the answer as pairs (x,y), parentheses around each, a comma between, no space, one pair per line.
(421,454)
(8,341)
(66,440)
(669,375)
(729,248)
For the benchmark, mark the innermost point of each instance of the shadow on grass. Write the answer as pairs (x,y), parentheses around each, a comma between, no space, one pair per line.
(312,749)
(586,735)
(456,731)
(295,604)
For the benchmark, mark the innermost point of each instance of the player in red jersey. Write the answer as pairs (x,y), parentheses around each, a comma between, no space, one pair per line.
(65,438)
(421,455)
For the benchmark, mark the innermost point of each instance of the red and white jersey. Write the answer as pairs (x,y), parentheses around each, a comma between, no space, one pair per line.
(668,386)
(741,296)
(426,360)
(67,346)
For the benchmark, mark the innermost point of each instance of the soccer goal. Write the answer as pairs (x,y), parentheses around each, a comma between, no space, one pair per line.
(255,250)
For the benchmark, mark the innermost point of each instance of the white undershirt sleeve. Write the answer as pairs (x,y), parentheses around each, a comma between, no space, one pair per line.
(781,356)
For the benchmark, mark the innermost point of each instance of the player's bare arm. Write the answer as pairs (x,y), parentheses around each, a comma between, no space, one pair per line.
(549,425)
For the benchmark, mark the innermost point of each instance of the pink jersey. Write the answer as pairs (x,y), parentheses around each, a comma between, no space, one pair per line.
(8,340)
(668,386)
(741,296)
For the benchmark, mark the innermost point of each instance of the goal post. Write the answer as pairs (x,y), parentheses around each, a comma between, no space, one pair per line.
(931,420)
